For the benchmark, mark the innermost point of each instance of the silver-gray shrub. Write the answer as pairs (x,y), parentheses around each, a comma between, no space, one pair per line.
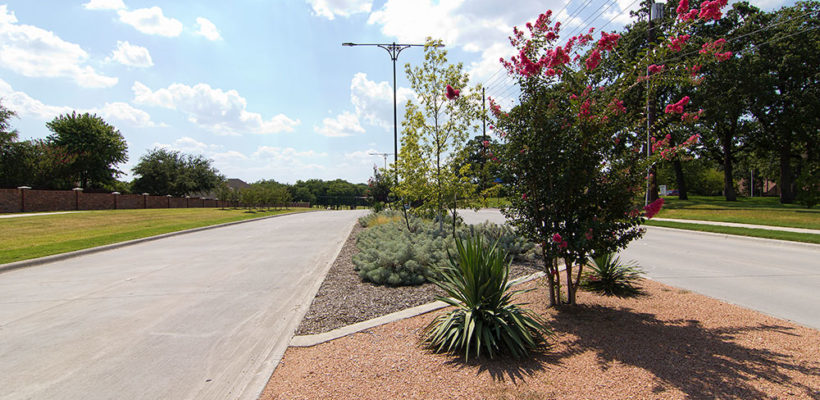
(389,254)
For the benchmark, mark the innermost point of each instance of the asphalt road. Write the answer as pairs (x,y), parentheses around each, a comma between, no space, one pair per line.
(205,315)
(778,278)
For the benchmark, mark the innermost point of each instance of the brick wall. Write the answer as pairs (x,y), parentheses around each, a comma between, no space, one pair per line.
(49,200)
(11,201)
(129,201)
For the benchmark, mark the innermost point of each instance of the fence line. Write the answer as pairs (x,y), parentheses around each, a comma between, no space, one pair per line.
(28,200)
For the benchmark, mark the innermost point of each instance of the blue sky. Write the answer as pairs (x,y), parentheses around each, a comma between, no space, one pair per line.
(263,88)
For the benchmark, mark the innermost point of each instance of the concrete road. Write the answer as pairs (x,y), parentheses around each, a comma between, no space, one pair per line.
(205,315)
(775,277)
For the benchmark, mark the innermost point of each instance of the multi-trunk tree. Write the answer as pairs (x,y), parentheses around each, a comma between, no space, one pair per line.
(573,150)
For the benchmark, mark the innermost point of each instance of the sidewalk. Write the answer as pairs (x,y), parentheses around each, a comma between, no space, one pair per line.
(18,215)
(735,225)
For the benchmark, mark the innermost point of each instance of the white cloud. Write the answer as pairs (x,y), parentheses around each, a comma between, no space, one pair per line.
(219,111)
(284,154)
(131,55)
(207,29)
(26,106)
(188,144)
(345,124)
(344,8)
(104,5)
(374,100)
(124,112)
(116,112)
(151,21)
(37,53)
(479,26)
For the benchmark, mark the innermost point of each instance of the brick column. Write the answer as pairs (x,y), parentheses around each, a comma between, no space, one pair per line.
(116,197)
(22,190)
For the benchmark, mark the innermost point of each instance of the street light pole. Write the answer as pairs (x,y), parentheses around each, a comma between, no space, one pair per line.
(393,49)
(384,155)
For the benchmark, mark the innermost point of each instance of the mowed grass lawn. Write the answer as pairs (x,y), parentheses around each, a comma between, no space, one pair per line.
(755,210)
(43,235)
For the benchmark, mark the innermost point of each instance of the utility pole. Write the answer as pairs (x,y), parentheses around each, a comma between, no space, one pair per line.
(655,13)
(484,133)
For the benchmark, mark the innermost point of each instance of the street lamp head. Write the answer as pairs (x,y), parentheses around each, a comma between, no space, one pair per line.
(349,44)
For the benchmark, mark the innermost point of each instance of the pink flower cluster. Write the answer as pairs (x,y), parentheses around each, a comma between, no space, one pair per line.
(451,93)
(676,43)
(714,48)
(654,69)
(617,106)
(691,117)
(557,239)
(653,208)
(709,10)
(659,144)
(608,41)
(593,60)
(677,108)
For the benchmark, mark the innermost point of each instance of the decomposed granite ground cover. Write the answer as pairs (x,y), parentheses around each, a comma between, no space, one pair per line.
(667,344)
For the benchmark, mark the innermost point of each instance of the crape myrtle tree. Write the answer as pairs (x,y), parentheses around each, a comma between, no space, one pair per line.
(574,155)
(434,131)
(96,148)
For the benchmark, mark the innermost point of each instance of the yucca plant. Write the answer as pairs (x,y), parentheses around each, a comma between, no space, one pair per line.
(485,319)
(609,276)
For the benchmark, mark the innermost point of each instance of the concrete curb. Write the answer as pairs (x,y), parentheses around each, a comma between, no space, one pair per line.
(738,225)
(741,237)
(63,256)
(312,340)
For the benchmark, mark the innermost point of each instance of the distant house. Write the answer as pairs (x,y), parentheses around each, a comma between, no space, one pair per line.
(237,184)
(232,183)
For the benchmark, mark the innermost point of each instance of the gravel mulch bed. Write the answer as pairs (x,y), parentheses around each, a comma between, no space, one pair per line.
(343,298)
(669,343)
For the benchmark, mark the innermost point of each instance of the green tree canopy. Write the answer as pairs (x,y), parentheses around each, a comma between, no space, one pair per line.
(96,148)
(163,171)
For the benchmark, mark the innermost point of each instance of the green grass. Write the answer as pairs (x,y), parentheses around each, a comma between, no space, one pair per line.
(43,235)
(761,233)
(755,210)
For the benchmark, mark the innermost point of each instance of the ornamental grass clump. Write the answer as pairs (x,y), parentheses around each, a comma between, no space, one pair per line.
(485,320)
(610,277)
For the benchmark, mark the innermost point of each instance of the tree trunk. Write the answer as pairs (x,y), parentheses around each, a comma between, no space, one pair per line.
(679,179)
(653,184)
(728,180)
(786,183)
(549,266)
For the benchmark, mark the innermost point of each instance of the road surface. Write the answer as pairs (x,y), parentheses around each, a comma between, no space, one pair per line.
(205,315)
(778,278)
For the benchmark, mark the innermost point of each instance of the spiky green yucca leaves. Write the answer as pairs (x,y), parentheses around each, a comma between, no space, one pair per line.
(485,320)
(609,276)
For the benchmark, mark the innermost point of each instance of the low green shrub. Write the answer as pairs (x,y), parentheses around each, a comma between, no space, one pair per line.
(476,281)
(607,275)
(390,254)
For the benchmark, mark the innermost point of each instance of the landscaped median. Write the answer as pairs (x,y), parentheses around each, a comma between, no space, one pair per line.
(36,236)
(664,343)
